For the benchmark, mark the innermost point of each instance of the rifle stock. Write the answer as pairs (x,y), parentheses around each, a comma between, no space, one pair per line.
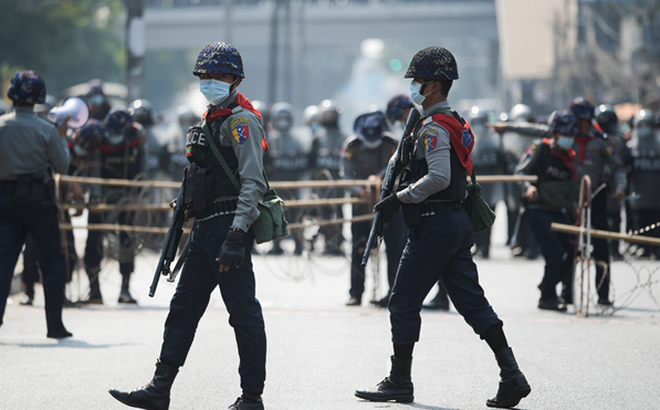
(386,188)
(168,254)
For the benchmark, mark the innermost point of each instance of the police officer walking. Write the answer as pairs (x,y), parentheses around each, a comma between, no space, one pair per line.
(219,252)
(31,147)
(440,235)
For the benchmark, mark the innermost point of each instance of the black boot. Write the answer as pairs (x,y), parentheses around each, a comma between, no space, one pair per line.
(247,402)
(513,385)
(397,386)
(95,297)
(153,396)
(124,294)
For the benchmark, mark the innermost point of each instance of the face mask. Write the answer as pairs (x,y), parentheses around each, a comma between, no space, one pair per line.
(215,91)
(96,99)
(372,144)
(79,151)
(415,95)
(565,142)
(114,139)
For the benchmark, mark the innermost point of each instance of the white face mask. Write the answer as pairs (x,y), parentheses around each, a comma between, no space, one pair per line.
(215,91)
(416,97)
(565,142)
(114,139)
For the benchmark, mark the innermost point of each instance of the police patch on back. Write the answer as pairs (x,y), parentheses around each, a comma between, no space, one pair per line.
(240,129)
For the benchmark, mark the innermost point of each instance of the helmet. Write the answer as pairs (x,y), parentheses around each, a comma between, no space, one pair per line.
(478,116)
(87,139)
(43,109)
(521,113)
(311,115)
(142,111)
(281,115)
(397,106)
(606,118)
(582,109)
(118,121)
(27,87)
(564,123)
(644,117)
(369,127)
(329,111)
(186,116)
(262,107)
(433,63)
(218,58)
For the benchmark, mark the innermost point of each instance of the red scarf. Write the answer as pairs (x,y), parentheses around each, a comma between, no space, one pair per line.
(582,142)
(460,136)
(246,105)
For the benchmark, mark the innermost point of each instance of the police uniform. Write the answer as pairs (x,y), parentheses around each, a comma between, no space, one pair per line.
(550,165)
(121,161)
(223,215)
(360,162)
(440,237)
(31,148)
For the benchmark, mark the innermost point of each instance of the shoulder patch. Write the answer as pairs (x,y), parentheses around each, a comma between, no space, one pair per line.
(530,151)
(430,138)
(240,129)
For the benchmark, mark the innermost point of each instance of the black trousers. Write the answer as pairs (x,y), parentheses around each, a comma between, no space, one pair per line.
(41,222)
(394,235)
(601,250)
(94,246)
(200,276)
(438,249)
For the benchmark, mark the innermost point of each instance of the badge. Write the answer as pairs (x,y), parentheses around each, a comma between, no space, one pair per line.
(530,151)
(430,138)
(240,129)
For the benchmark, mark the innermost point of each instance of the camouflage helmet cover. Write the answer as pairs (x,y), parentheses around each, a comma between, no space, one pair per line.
(27,87)
(219,58)
(565,123)
(433,63)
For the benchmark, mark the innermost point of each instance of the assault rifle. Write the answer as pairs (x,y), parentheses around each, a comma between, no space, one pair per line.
(171,244)
(396,164)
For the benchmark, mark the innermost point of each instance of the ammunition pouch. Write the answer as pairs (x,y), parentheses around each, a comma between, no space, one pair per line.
(197,187)
(31,190)
(217,208)
(559,194)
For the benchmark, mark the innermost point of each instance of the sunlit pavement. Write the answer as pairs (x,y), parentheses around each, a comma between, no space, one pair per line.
(320,351)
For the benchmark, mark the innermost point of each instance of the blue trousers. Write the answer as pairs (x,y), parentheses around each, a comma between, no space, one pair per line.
(557,251)
(438,249)
(200,276)
(41,222)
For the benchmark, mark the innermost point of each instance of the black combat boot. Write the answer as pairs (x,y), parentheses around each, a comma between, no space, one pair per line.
(95,297)
(513,385)
(397,386)
(248,402)
(124,294)
(153,396)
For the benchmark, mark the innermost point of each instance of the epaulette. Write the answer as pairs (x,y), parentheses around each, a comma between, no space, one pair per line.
(353,141)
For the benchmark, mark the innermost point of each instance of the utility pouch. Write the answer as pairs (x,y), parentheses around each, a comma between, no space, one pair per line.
(197,187)
(412,214)
(477,208)
(29,189)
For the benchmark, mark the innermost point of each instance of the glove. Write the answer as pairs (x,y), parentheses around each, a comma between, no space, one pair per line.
(232,251)
(389,207)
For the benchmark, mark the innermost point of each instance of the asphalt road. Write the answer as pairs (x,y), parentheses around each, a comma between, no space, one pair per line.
(320,351)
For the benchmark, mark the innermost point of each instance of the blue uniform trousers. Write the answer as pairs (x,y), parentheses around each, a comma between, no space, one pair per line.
(200,276)
(438,249)
(393,234)
(41,222)
(557,251)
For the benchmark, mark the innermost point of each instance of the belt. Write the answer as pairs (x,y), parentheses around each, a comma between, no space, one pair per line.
(7,187)
(432,208)
(217,208)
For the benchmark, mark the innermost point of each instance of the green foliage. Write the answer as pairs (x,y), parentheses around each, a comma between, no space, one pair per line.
(66,41)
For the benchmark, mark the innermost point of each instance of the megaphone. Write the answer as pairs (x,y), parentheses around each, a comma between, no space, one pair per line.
(73,106)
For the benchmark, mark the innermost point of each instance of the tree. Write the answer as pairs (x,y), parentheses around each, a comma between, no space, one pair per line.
(66,41)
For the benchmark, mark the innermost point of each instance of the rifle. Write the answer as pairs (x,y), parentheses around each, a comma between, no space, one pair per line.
(171,243)
(395,165)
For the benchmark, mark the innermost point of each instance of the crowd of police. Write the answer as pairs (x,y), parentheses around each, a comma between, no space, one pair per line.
(256,142)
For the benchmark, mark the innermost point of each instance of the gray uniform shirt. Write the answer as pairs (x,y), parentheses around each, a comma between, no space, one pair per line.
(30,144)
(247,147)
(437,158)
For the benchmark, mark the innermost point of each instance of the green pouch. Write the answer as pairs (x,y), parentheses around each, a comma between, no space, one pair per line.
(271,223)
(480,213)
(559,194)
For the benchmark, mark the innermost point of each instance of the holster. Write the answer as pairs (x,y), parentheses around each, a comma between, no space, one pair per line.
(197,187)
(30,189)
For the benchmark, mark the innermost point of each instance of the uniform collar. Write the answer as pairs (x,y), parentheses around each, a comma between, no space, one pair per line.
(24,110)
(441,104)
(225,103)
